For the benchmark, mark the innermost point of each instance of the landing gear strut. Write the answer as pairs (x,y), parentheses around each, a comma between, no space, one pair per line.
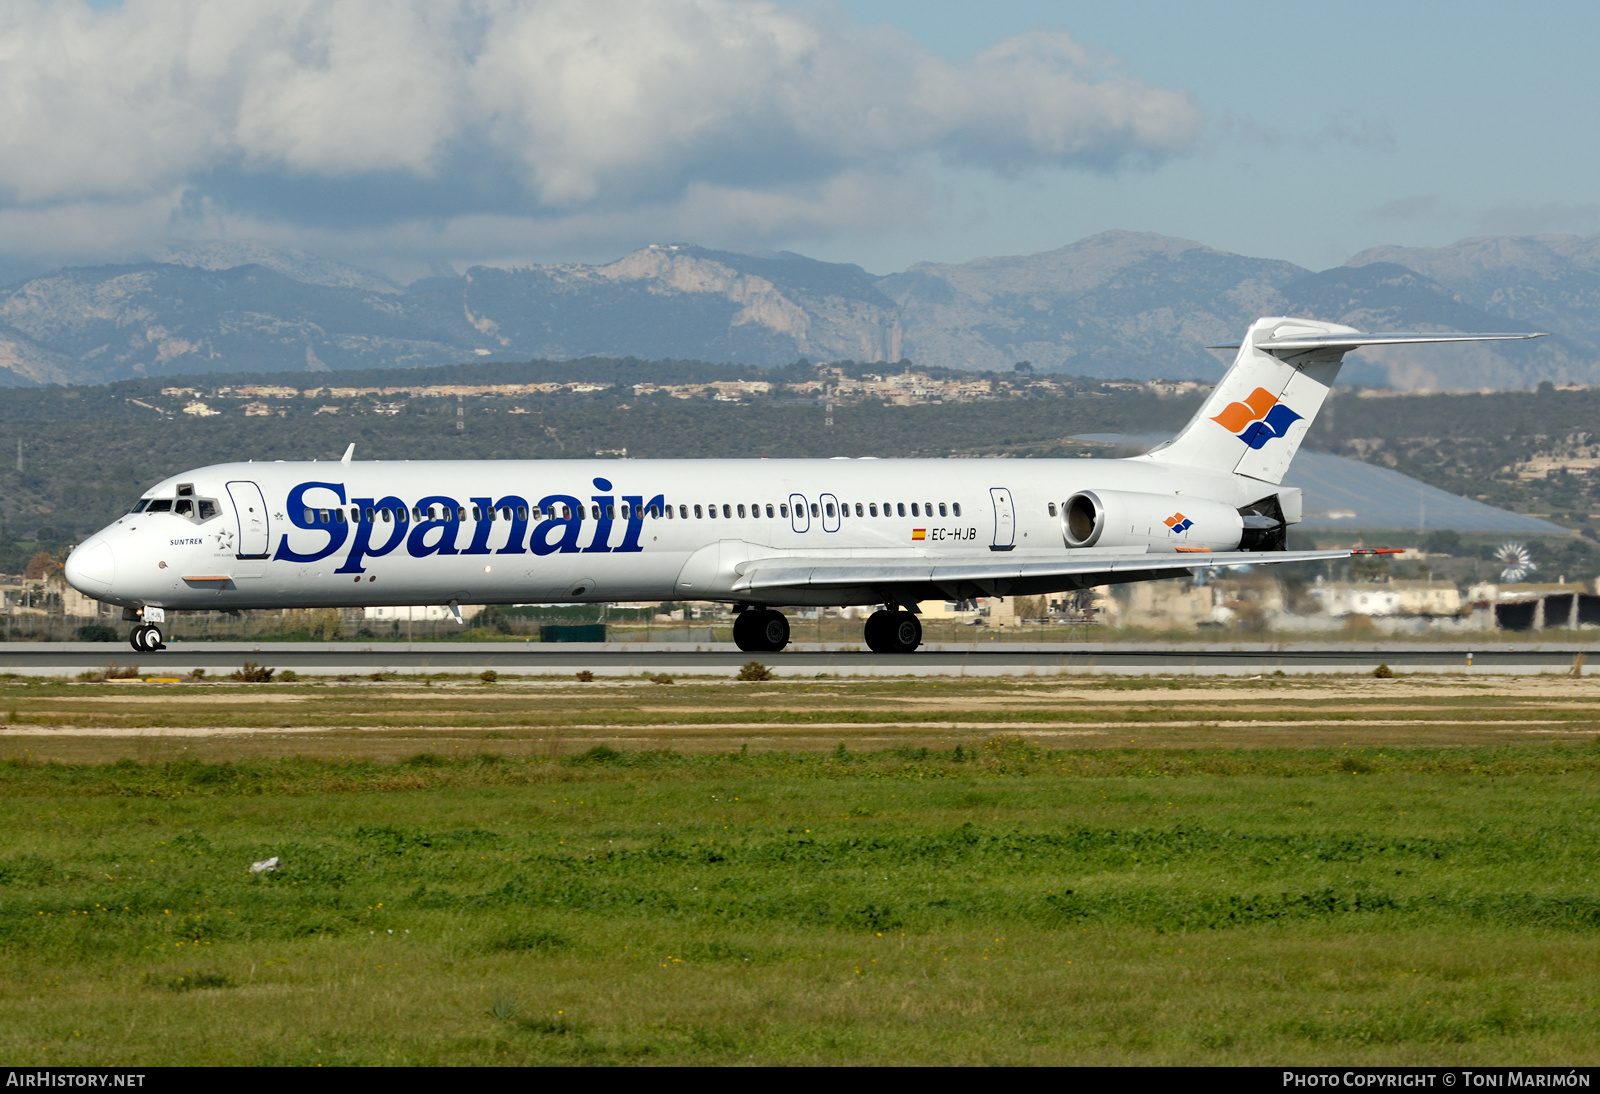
(893,632)
(146,638)
(760,630)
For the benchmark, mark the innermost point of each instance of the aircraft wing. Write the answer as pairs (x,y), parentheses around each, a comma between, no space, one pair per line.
(998,573)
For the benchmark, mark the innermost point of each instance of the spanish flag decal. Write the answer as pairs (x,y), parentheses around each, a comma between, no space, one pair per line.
(919,533)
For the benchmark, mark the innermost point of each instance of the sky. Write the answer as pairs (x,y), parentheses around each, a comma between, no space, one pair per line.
(407,137)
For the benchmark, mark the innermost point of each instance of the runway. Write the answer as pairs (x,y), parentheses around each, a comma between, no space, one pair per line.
(69,659)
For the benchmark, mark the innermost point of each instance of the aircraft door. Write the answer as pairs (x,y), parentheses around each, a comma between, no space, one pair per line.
(1005,519)
(799,515)
(255,540)
(830,513)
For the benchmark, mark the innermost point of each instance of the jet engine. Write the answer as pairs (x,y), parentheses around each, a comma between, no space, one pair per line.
(1160,522)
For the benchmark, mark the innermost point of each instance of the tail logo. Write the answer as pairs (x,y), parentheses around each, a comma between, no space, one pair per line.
(1258,419)
(1178,523)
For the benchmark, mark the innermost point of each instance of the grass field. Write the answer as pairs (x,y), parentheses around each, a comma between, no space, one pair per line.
(1278,871)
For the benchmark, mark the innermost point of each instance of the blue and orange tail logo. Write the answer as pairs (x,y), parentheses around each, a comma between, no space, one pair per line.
(1258,419)
(1178,523)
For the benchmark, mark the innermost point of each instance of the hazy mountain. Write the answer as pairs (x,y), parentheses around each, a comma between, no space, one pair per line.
(1145,306)
(1117,304)
(1545,282)
(311,269)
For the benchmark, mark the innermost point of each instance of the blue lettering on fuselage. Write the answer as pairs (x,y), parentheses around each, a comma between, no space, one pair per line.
(336,533)
(432,525)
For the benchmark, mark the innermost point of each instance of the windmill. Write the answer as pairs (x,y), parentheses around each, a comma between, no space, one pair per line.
(1517,563)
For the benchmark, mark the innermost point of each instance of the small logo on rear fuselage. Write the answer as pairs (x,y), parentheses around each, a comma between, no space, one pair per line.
(1178,523)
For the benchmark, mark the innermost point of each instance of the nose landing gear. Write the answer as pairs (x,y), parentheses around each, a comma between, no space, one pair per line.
(893,632)
(146,638)
(760,630)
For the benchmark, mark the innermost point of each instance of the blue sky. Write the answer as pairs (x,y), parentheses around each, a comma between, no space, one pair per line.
(883,132)
(1331,127)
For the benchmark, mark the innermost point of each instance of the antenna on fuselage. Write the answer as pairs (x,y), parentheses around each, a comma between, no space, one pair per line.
(351,451)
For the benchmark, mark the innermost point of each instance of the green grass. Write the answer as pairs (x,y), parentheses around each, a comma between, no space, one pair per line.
(1006,904)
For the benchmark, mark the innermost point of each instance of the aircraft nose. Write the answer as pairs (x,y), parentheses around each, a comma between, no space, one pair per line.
(92,568)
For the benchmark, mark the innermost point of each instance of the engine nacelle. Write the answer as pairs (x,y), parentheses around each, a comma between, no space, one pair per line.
(1160,522)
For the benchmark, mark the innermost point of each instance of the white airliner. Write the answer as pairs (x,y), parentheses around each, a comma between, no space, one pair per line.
(758,534)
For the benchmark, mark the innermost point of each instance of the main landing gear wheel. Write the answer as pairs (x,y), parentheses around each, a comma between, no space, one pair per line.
(893,632)
(760,630)
(146,638)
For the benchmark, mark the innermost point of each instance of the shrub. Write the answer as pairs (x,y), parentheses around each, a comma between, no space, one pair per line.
(585,676)
(96,632)
(252,673)
(755,671)
(660,678)
(1383,672)
(488,676)
(287,676)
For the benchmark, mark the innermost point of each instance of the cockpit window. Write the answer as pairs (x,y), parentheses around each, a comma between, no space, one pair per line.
(186,506)
(138,506)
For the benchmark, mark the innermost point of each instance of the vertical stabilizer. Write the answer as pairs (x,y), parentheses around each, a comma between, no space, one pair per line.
(1257,416)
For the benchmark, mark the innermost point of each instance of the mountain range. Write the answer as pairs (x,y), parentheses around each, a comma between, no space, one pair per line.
(1118,304)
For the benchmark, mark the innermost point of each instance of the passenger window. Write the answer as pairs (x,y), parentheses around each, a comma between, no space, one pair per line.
(338,516)
(611,512)
(858,510)
(696,512)
(769,511)
(830,508)
(727,511)
(914,510)
(1052,509)
(522,512)
(208,509)
(386,516)
(783,509)
(711,511)
(372,517)
(816,510)
(311,517)
(416,513)
(873,508)
(566,512)
(741,512)
(901,507)
(477,514)
(955,507)
(161,505)
(927,508)
(323,517)
(942,509)
(683,511)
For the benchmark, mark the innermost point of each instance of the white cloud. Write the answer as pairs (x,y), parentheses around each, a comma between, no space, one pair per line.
(336,117)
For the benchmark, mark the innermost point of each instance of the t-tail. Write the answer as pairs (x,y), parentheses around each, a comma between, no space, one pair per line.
(1257,416)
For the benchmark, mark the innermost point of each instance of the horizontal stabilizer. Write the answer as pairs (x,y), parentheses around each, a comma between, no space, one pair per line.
(1346,342)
